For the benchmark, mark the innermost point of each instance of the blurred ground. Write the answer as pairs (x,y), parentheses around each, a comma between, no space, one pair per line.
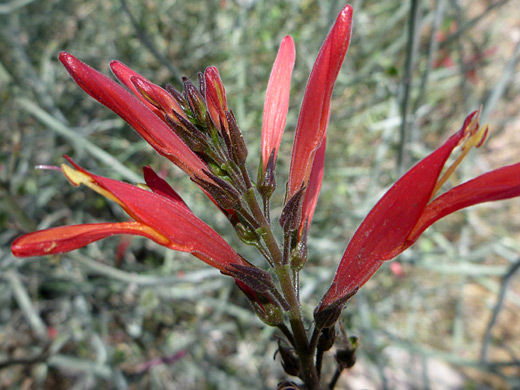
(156,319)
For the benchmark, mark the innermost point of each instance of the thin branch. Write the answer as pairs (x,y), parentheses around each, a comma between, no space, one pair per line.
(503,83)
(287,333)
(13,6)
(432,50)
(148,43)
(140,279)
(496,310)
(25,304)
(78,141)
(335,378)
(403,157)
(456,35)
(10,205)
(41,357)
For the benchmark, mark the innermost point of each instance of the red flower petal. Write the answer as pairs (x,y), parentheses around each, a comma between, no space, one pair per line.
(157,97)
(276,103)
(171,219)
(161,187)
(67,238)
(315,110)
(502,183)
(314,186)
(124,74)
(145,122)
(383,232)
(215,96)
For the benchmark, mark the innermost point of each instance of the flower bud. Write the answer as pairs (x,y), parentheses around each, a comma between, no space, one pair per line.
(192,136)
(195,100)
(299,253)
(265,306)
(179,98)
(346,358)
(327,338)
(326,317)
(287,385)
(215,95)
(156,96)
(266,182)
(221,191)
(290,362)
(292,212)
(238,145)
(202,83)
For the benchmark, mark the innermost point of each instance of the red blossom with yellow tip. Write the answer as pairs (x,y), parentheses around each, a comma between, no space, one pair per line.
(410,207)
(161,216)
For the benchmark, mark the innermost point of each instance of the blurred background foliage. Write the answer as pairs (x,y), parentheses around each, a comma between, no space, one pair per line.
(126,313)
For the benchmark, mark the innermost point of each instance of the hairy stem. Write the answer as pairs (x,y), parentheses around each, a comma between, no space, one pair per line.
(283,271)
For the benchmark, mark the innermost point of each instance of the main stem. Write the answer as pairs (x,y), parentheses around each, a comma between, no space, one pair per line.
(304,351)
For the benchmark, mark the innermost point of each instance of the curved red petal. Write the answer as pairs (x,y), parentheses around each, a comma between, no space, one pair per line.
(145,122)
(315,110)
(156,96)
(215,96)
(314,187)
(68,238)
(502,183)
(276,103)
(183,230)
(161,187)
(124,74)
(383,233)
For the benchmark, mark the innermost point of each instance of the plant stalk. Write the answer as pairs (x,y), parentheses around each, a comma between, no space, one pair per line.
(304,351)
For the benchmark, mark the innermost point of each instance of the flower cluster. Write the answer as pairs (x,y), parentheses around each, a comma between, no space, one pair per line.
(197,131)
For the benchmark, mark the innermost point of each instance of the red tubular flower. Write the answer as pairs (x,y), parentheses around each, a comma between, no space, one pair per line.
(161,216)
(124,75)
(276,103)
(315,110)
(215,97)
(154,97)
(136,114)
(407,209)
(313,188)
(157,97)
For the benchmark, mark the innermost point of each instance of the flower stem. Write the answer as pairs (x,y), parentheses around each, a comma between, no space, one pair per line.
(304,351)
